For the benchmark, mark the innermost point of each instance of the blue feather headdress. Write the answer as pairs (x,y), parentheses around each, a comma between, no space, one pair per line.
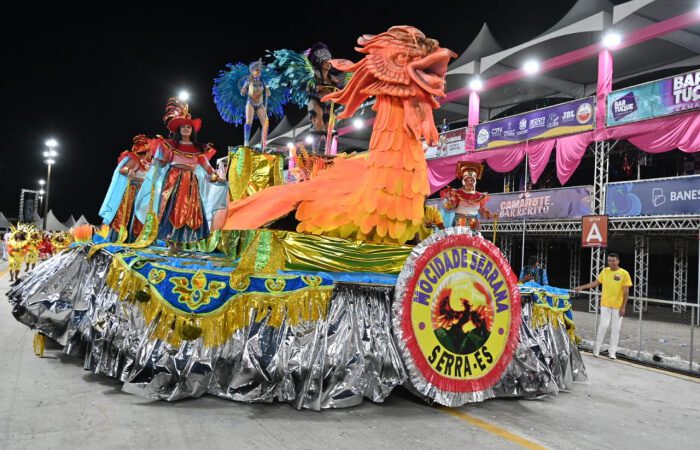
(227,93)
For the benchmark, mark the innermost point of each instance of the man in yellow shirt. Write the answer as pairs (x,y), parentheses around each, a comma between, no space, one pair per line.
(616,283)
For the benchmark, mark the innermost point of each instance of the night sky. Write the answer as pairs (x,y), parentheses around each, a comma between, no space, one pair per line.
(95,77)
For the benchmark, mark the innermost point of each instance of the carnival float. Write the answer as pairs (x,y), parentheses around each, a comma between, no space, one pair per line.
(318,293)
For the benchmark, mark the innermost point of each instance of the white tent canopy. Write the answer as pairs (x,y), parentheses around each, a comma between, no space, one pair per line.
(4,223)
(81,221)
(53,224)
(70,222)
(38,222)
(280,129)
(585,23)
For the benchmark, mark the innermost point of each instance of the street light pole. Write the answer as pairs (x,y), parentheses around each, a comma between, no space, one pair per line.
(49,155)
(41,193)
(45,201)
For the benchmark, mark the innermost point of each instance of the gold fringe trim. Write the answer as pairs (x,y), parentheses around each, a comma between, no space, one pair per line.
(264,255)
(544,314)
(239,182)
(215,328)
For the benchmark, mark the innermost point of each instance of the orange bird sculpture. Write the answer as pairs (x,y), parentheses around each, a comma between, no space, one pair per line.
(378,196)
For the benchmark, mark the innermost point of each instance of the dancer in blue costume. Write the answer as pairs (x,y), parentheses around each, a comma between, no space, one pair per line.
(244,92)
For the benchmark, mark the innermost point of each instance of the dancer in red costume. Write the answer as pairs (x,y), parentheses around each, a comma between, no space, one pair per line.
(45,248)
(181,180)
(468,203)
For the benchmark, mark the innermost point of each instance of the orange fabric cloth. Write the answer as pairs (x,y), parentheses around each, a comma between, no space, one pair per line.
(125,207)
(377,198)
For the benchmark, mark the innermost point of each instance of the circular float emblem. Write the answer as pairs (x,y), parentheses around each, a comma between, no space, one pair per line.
(483,136)
(584,112)
(456,315)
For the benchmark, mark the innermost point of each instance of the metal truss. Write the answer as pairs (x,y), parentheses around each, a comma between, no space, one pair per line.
(574,263)
(601,153)
(669,225)
(597,265)
(641,271)
(542,251)
(539,227)
(506,246)
(680,275)
(657,224)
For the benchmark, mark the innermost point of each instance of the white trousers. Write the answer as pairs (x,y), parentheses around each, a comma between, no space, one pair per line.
(606,316)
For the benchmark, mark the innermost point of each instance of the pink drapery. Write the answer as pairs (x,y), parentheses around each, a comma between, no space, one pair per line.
(442,171)
(653,136)
(570,150)
(661,135)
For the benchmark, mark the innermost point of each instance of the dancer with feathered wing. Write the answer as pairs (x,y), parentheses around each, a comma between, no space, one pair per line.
(308,77)
(242,93)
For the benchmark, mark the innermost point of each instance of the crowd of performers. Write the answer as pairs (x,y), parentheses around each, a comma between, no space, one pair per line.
(26,245)
(172,179)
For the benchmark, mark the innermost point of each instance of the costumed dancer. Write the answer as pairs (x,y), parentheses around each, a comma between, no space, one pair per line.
(309,77)
(32,248)
(180,184)
(117,210)
(61,240)
(16,248)
(432,221)
(45,248)
(469,204)
(243,92)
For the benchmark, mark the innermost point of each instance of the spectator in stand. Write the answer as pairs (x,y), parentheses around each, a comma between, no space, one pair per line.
(616,283)
(534,272)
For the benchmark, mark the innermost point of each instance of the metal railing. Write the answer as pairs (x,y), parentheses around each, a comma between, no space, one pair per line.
(663,331)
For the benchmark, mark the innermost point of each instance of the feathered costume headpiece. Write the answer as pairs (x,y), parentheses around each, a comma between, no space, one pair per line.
(296,75)
(177,114)
(35,236)
(61,240)
(20,235)
(227,91)
(141,144)
(256,65)
(318,54)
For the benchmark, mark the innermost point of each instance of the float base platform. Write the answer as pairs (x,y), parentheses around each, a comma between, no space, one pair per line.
(171,328)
